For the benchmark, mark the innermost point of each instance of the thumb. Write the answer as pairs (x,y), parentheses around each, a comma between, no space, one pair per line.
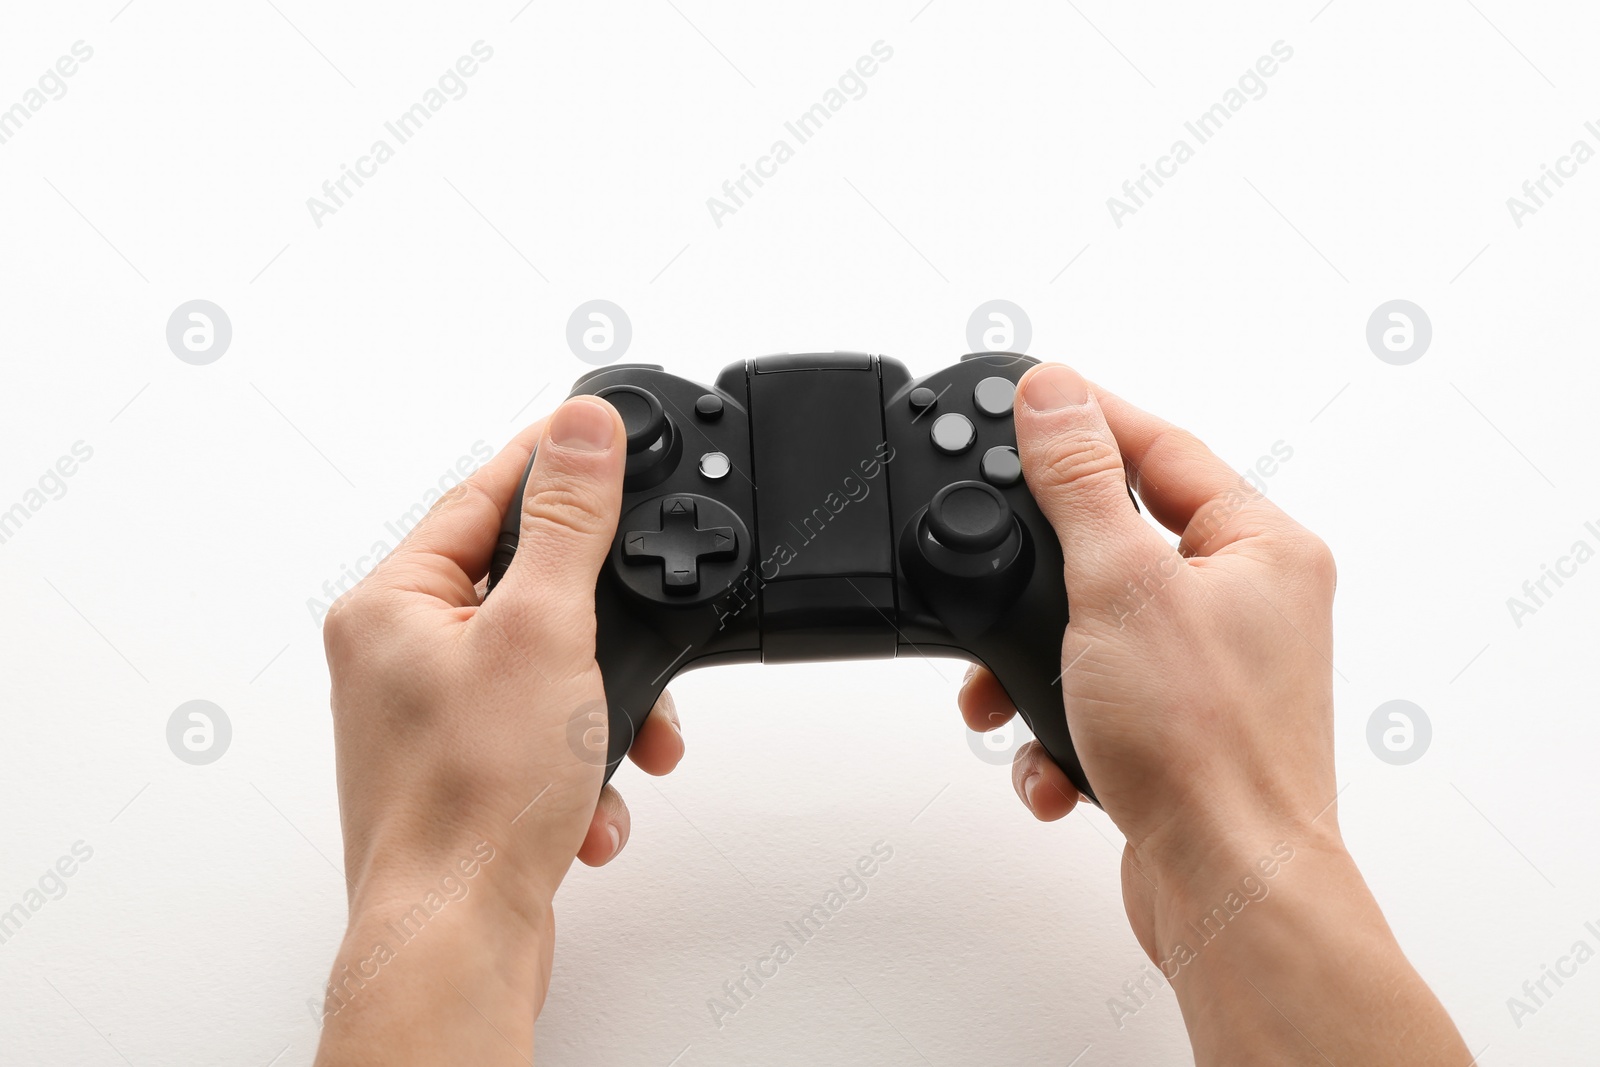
(1074,469)
(569,516)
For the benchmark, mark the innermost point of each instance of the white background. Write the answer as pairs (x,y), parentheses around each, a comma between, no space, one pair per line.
(371,353)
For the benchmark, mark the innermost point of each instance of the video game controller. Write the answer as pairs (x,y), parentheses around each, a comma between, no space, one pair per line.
(824,507)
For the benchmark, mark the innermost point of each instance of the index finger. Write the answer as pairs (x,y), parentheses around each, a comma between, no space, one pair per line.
(1186,486)
(456,537)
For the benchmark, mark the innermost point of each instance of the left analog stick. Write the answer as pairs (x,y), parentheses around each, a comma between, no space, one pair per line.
(654,444)
(641,413)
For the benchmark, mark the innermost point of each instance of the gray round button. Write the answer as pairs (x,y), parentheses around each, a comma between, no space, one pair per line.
(1001,466)
(993,396)
(953,434)
(715,465)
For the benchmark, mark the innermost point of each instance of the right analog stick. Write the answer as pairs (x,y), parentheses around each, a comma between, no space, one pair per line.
(969,517)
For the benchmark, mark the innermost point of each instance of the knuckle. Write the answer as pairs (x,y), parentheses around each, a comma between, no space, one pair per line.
(459,494)
(1176,439)
(564,510)
(1026,760)
(364,631)
(349,616)
(1075,461)
(1233,515)
(1316,559)
(615,811)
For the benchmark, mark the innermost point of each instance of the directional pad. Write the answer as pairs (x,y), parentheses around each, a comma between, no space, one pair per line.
(680,544)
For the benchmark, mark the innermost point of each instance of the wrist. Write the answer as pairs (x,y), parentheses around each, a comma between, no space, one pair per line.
(403,934)
(404,856)
(1266,940)
(1217,848)
(1248,889)
(471,878)
(1249,886)
(421,957)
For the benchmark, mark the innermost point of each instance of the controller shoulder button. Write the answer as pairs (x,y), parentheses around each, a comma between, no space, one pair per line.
(582,378)
(1002,359)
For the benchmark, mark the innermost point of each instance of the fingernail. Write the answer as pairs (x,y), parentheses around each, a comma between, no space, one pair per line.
(1029,784)
(1053,387)
(583,426)
(616,840)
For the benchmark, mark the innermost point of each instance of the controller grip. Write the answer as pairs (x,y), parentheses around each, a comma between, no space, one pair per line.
(635,667)
(1037,698)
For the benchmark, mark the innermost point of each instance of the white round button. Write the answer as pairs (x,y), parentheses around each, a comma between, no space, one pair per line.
(715,465)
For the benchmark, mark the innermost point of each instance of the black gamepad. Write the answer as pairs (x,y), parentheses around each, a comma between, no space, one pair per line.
(823,507)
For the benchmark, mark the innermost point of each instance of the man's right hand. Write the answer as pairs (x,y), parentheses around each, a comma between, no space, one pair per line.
(1198,685)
